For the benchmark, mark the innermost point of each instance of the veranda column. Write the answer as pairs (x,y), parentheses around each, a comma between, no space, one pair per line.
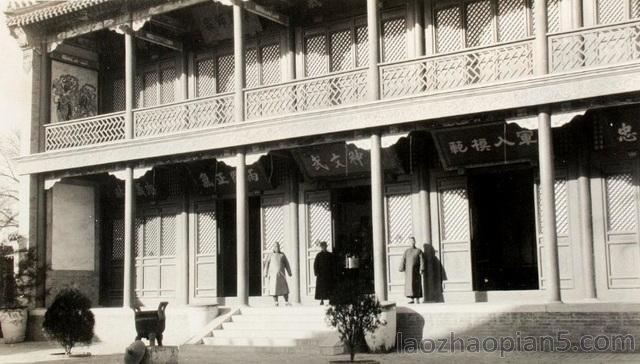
(242,242)
(129,233)
(586,224)
(377,217)
(548,206)
(540,45)
(373,78)
(293,236)
(576,7)
(129,79)
(238,55)
(418,27)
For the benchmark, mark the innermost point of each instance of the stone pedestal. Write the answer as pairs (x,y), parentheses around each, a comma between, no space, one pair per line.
(161,355)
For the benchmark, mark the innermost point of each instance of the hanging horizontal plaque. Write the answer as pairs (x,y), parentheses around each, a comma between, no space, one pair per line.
(486,144)
(617,129)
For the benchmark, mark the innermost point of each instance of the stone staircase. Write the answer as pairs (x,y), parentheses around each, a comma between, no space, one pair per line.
(280,329)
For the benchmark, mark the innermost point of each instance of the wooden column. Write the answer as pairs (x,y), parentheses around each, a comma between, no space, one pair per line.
(128,294)
(377,217)
(242,241)
(586,222)
(540,45)
(293,234)
(373,78)
(129,80)
(238,55)
(418,27)
(429,28)
(183,255)
(425,228)
(576,7)
(548,206)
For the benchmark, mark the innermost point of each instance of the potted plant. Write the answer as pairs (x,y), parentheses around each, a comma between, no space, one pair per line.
(69,319)
(17,290)
(353,314)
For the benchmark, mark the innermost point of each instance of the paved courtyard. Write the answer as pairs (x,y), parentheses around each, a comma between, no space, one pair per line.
(41,352)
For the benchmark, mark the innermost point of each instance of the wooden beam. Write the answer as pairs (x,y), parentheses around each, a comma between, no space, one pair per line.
(259,10)
(159,40)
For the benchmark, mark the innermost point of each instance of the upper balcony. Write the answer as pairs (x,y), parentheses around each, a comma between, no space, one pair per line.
(322,66)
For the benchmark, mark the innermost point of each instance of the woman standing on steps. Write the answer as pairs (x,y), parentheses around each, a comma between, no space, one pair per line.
(275,269)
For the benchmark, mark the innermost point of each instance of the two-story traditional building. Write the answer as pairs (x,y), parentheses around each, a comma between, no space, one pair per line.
(171,144)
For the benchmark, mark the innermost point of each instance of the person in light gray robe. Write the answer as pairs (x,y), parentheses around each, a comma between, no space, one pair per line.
(275,268)
(412,265)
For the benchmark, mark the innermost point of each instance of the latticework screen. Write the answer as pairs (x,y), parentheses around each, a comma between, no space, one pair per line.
(400,218)
(449,29)
(611,11)
(168,85)
(225,68)
(394,40)
(479,23)
(512,21)
(150,80)
(341,55)
(315,56)
(271,70)
(252,75)
(118,94)
(205,78)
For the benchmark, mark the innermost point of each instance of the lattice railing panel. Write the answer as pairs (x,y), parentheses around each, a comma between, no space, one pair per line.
(512,22)
(185,115)
(394,40)
(611,11)
(599,46)
(621,202)
(207,227)
(205,78)
(306,95)
(449,30)
(400,218)
(499,63)
(455,214)
(94,130)
(479,23)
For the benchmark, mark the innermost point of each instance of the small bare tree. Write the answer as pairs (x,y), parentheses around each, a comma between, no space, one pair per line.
(9,149)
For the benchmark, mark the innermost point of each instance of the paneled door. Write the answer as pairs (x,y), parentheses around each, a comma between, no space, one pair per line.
(399,219)
(319,227)
(272,231)
(204,249)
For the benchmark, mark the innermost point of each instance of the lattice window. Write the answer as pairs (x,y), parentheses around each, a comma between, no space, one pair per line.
(455,224)
(150,80)
(151,229)
(319,223)
(139,97)
(479,24)
(512,22)
(207,233)
(340,43)
(400,218)
(621,202)
(394,40)
(225,68)
(168,85)
(252,76)
(448,29)
(315,55)
(553,16)
(118,95)
(117,240)
(168,246)
(611,11)
(273,226)
(635,9)
(362,46)
(139,239)
(562,207)
(205,79)
(271,70)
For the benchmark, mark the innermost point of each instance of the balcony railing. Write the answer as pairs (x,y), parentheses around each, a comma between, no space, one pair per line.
(81,132)
(504,62)
(568,51)
(598,46)
(336,89)
(190,114)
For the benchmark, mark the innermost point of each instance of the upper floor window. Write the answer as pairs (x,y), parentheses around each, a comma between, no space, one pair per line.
(156,84)
(478,23)
(615,11)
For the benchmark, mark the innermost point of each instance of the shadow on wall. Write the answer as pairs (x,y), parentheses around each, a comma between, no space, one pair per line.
(434,275)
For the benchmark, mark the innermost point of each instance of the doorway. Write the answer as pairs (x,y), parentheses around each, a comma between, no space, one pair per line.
(353,234)
(503,233)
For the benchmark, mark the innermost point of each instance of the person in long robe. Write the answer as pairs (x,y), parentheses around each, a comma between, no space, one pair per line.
(275,269)
(412,265)
(324,268)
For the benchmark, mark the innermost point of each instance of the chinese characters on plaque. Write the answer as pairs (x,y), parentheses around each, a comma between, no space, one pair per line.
(485,144)
(617,130)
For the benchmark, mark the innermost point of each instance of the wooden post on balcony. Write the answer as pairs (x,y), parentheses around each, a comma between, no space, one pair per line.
(129,233)
(418,27)
(576,9)
(540,48)
(238,55)
(129,80)
(429,29)
(242,241)
(373,77)
(377,219)
(548,206)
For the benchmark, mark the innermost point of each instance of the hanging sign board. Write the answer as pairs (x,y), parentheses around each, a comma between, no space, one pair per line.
(212,177)
(617,129)
(484,145)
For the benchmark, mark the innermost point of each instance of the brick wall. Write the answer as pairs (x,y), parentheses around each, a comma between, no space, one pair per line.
(418,325)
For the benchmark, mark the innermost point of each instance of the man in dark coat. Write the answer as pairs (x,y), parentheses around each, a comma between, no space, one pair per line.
(412,265)
(324,269)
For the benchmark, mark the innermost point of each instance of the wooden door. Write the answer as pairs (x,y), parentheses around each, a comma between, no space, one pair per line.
(272,230)
(204,250)
(399,220)
(319,227)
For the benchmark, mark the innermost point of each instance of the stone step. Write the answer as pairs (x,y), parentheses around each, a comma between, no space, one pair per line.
(250,341)
(276,325)
(270,333)
(318,319)
(292,311)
